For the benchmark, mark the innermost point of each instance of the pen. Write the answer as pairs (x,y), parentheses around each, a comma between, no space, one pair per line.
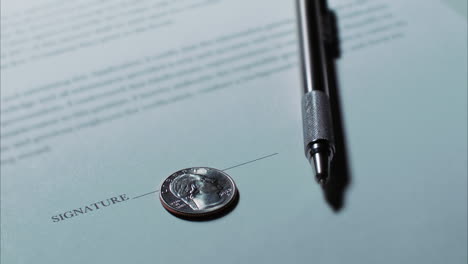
(316,111)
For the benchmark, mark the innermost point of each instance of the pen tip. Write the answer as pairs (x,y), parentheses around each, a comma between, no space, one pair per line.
(322,179)
(321,162)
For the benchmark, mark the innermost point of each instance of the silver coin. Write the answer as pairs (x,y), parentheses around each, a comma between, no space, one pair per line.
(197,192)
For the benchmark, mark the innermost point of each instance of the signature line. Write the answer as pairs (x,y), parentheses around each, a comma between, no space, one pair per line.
(139,196)
(238,165)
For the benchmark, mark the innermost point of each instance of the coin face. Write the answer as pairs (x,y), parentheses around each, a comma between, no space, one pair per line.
(197,192)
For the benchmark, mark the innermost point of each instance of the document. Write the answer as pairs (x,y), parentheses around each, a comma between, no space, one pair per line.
(103,100)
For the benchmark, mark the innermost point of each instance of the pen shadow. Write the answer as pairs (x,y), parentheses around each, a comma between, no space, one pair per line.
(335,190)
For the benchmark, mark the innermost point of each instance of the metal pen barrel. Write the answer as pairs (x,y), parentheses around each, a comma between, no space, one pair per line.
(316,110)
(312,48)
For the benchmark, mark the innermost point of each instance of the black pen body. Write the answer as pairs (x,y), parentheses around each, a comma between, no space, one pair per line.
(312,45)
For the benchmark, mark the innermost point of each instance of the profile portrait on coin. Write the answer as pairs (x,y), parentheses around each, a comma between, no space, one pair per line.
(197,191)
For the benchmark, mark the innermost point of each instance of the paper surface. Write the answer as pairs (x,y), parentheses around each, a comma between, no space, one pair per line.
(105,99)
(460,6)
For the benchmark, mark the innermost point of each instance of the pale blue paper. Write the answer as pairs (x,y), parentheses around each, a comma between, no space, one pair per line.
(405,111)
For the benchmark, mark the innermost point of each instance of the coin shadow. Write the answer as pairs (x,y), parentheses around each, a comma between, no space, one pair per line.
(204,218)
(340,180)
